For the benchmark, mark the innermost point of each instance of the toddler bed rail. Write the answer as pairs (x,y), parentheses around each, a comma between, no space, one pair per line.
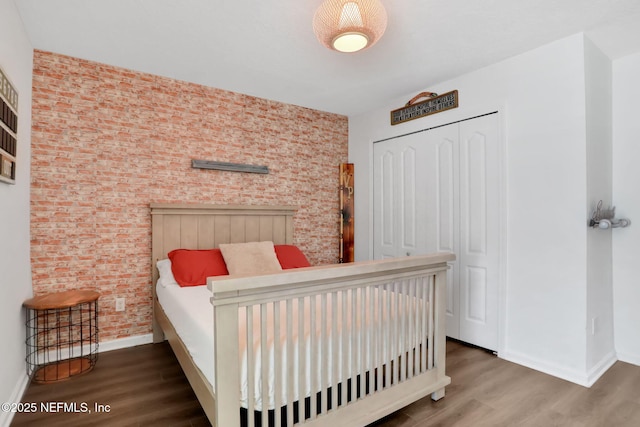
(355,341)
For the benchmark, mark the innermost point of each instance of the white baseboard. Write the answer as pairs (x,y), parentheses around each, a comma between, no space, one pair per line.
(634,359)
(16,396)
(586,379)
(104,346)
(125,342)
(600,368)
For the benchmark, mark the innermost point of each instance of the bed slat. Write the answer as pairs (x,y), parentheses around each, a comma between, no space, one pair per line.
(333,372)
(410,318)
(291,363)
(277,363)
(302,360)
(312,355)
(353,345)
(344,346)
(324,355)
(431,324)
(251,363)
(379,336)
(264,363)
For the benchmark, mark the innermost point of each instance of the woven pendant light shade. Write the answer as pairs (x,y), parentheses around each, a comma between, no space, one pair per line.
(349,25)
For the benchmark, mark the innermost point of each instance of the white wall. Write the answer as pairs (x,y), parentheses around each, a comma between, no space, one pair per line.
(16,59)
(541,98)
(599,321)
(626,198)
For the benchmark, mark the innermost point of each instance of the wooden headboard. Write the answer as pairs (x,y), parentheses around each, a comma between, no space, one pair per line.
(204,226)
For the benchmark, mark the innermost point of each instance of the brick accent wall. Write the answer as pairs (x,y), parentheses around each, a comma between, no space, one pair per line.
(107,141)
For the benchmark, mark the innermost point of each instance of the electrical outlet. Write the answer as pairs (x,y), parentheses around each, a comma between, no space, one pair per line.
(119,304)
(594,325)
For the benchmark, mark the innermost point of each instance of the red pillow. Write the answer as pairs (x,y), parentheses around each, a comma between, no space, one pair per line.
(191,267)
(290,257)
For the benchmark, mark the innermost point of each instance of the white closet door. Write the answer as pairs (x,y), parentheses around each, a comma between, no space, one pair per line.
(399,174)
(416,202)
(479,250)
(438,190)
(441,215)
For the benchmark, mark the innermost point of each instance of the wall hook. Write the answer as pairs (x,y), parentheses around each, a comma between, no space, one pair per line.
(605,218)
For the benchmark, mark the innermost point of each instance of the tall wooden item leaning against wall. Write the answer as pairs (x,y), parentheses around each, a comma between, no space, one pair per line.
(8,129)
(346,213)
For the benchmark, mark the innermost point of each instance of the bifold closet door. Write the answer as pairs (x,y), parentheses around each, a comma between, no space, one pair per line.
(416,202)
(441,191)
(479,248)
(399,177)
(438,190)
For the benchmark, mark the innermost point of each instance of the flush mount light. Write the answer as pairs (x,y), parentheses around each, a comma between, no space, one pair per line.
(349,25)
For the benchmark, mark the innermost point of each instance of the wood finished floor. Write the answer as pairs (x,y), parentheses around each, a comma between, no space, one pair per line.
(144,386)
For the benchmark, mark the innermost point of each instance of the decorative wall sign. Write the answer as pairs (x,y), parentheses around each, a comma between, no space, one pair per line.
(8,129)
(346,213)
(435,104)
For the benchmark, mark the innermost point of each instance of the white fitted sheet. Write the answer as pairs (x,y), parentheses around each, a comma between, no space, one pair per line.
(190,311)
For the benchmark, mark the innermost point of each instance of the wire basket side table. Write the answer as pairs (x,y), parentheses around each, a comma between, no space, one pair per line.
(62,335)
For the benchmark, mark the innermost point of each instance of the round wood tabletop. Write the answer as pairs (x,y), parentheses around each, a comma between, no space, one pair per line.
(64,299)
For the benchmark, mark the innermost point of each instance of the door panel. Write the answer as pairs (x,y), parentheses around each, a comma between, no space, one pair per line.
(479,231)
(407,195)
(447,193)
(398,210)
(440,190)
(446,201)
(476,309)
(384,211)
(413,206)
(476,193)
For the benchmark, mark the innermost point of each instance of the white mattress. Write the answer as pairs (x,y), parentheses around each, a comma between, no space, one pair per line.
(191,313)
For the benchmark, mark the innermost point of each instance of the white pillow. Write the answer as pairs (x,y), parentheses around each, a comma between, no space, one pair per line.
(166,275)
(250,258)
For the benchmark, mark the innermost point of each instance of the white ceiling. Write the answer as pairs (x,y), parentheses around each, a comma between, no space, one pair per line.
(266,48)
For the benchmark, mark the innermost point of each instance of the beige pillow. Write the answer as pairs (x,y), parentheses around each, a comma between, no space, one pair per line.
(250,258)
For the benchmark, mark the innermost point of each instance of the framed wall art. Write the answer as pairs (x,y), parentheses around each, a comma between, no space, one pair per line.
(8,129)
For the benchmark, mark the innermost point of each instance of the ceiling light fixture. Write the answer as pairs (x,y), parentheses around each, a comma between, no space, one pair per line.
(349,25)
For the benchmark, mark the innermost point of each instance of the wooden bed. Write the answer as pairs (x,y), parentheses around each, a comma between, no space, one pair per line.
(389,351)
